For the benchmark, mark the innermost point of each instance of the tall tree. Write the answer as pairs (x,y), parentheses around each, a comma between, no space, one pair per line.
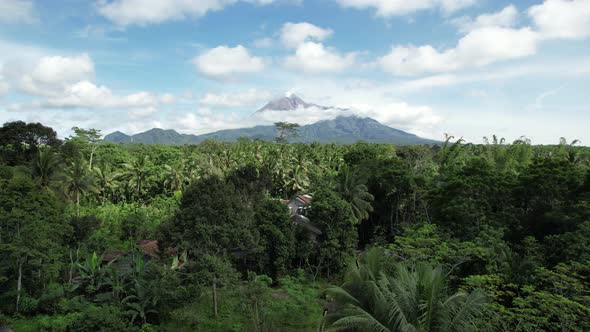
(286,131)
(352,187)
(78,180)
(213,218)
(137,172)
(32,236)
(45,167)
(19,141)
(87,140)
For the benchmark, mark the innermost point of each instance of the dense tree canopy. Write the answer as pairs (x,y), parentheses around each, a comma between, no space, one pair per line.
(213,237)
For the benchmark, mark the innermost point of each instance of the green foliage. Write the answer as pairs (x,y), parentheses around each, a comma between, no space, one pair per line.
(286,131)
(424,243)
(277,238)
(212,219)
(338,240)
(404,299)
(78,220)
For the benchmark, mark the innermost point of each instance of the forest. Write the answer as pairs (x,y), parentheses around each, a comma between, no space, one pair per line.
(257,235)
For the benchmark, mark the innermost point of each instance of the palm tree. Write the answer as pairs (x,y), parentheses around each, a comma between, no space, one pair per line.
(174,180)
(137,173)
(353,189)
(106,180)
(45,167)
(78,181)
(401,298)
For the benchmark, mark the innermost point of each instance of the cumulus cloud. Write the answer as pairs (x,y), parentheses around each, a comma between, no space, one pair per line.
(565,19)
(145,12)
(314,58)
(490,38)
(295,34)
(388,8)
(52,74)
(68,82)
(479,47)
(506,18)
(223,62)
(251,97)
(17,11)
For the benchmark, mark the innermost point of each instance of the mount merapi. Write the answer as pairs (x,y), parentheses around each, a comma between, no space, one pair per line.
(342,130)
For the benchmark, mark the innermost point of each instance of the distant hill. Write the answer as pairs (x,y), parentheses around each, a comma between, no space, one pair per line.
(343,130)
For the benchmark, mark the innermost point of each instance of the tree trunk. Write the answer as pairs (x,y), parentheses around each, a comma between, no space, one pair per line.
(71,273)
(77,198)
(215,297)
(91,155)
(19,283)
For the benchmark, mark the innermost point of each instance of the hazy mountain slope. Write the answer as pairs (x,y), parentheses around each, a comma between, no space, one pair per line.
(343,130)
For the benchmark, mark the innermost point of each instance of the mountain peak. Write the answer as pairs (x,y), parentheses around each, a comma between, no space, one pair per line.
(289,102)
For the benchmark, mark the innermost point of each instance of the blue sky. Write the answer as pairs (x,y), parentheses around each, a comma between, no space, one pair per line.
(469,68)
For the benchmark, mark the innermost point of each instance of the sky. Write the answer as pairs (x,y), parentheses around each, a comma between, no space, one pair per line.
(467,68)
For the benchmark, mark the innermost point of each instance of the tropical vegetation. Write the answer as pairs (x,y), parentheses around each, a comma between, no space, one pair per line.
(97,236)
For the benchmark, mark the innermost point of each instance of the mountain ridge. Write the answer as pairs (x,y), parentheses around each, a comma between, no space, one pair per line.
(342,129)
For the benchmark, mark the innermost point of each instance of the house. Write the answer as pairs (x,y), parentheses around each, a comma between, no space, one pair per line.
(300,205)
(299,208)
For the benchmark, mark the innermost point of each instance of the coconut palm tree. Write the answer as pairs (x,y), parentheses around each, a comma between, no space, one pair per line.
(106,181)
(45,167)
(78,181)
(174,178)
(400,298)
(136,173)
(353,189)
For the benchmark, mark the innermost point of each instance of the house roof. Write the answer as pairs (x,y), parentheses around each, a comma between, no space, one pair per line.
(305,199)
(149,248)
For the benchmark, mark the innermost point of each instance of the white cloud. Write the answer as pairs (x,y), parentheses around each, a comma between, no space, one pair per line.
(487,45)
(17,11)
(479,47)
(295,34)
(573,68)
(313,58)
(388,8)
(87,95)
(145,12)
(506,18)
(251,97)
(565,19)
(204,121)
(223,62)
(52,74)
(68,82)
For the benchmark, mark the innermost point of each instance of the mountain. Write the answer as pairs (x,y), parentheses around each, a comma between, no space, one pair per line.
(343,130)
(290,102)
